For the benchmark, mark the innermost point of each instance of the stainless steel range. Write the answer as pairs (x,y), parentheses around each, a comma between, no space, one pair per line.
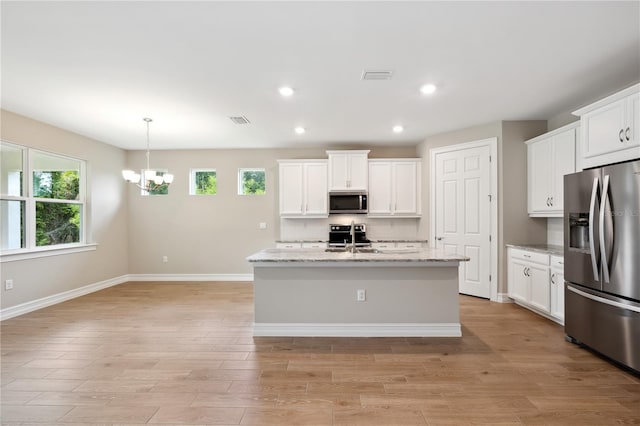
(340,235)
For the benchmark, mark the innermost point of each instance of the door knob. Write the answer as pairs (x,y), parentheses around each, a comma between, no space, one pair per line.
(438,238)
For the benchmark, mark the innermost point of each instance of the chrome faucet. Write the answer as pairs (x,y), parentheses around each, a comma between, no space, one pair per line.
(352,249)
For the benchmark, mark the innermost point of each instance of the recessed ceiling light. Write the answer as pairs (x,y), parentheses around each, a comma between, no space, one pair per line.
(285,91)
(299,130)
(398,129)
(428,89)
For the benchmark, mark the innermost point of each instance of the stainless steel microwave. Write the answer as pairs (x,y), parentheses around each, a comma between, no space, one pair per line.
(348,203)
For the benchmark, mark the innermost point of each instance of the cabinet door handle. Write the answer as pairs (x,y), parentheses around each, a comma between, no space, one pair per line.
(551,201)
(547,201)
(552,278)
(620,135)
(626,133)
(526,255)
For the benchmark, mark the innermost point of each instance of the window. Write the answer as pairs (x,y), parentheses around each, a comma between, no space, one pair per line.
(160,190)
(44,206)
(12,201)
(251,181)
(203,182)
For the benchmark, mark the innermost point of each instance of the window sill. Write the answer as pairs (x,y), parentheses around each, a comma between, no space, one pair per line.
(46,252)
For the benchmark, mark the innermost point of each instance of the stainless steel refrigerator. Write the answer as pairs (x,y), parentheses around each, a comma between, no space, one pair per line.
(602,260)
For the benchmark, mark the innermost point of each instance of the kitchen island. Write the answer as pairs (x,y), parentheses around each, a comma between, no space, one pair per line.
(313,292)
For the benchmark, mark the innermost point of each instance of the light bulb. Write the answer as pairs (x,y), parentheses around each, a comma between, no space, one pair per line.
(135,178)
(168,177)
(149,174)
(285,91)
(299,130)
(127,175)
(428,89)
(398,129)
(157,179)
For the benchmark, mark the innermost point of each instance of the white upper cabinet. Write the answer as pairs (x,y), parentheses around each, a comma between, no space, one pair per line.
(394,187)
(303,188)
(549,158)
(611,128)
(348,170)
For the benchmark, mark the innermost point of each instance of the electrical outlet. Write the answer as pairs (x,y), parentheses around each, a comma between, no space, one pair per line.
(262,225)
(165,259)
(8,284)
(361,295)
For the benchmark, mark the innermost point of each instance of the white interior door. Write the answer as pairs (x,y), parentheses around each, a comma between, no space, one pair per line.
(463,214)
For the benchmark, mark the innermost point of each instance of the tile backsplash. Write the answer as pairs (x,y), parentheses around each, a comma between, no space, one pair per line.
(377,229)
(555,231)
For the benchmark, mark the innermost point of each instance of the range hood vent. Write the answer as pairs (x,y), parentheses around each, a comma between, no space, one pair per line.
(240,120)
(377,74)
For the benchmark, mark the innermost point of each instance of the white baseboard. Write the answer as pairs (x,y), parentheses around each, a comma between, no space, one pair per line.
(503,298)
(190,277)
(34,305)
(357,330)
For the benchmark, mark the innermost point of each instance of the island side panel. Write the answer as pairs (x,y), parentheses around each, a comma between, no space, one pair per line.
(327,295)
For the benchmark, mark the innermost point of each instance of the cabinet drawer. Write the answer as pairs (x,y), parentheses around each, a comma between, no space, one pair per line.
(383,245)
(407,245)
(530,256)
(557,262)
(314,245)
(288,245)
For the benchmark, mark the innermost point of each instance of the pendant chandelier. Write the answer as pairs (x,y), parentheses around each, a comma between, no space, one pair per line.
(151,181)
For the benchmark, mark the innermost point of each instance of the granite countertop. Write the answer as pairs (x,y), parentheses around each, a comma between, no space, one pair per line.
(541,248)
(373,241)
(400,241)
(301,241)
(425,255)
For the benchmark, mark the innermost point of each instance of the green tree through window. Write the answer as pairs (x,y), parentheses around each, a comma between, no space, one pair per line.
(56,222)
(205,182)
(252,181)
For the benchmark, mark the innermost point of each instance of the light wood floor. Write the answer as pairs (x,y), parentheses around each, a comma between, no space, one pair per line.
(182,353)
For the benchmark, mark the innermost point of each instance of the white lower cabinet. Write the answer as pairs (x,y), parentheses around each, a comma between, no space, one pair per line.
(404,245)
(557,287)
(533,283)
(292,245)
(301,244)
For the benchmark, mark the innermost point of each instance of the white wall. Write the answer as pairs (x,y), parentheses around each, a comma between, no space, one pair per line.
(107,203)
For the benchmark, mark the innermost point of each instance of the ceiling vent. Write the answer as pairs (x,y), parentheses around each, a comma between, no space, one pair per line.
(240,120)
(377,75)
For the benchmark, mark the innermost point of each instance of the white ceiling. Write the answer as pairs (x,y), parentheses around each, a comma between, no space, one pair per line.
(98,68)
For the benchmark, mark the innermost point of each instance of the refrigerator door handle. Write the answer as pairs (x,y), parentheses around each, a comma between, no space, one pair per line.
(603,248)
(592,246)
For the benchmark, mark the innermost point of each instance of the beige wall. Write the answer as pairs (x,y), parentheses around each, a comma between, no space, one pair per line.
(514,224)
(210,234)
(469,134)
(37,278)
